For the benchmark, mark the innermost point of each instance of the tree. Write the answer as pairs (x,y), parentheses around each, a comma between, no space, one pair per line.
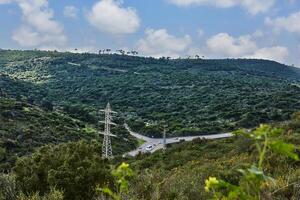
(47,105)
(75,168)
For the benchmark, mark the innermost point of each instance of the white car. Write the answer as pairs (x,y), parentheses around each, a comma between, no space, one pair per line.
(149,148)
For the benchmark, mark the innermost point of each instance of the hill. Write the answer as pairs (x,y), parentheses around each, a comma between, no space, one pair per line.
(192,96)
(25,127)
(180,172)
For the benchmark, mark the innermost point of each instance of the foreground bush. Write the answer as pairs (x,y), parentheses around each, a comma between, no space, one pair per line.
(52,195)
(254,183)
(8,187)
(74,168)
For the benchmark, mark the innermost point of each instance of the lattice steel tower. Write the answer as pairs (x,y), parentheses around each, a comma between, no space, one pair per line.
(106,146)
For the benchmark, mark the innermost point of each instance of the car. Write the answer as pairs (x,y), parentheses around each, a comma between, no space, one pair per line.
(149,148)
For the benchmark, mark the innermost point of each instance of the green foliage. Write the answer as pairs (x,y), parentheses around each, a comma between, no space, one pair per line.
(192,96)
(25,127)
(52,195)
(121,174)
(284,149)
(8,187)
(253,180)
(74,168)
(181,172)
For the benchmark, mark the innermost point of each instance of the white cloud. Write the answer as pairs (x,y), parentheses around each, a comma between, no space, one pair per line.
(225,45)
(108,16)
(5,1)
(71,12)
(252,6)
(37,15)
(39,27)
(277,53)
(289,23)
(222,45)
(27,37)
(160,43)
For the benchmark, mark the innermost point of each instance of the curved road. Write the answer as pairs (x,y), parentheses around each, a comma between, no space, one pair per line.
(153,144)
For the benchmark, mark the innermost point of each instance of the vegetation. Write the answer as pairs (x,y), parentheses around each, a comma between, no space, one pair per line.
(121,174)
(74,168)
(50,148)
(25,127)
(181,172)
(253,183)
(193,96)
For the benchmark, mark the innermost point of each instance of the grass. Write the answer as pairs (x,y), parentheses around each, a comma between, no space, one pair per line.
(89,130)
(141,142)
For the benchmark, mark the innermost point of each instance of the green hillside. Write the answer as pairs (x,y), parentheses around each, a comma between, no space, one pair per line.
(76,170)
(50,149)
(24,128)
(193,96)
(181,171)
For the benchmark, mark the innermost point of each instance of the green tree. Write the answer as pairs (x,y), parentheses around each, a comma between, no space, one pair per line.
(75,168)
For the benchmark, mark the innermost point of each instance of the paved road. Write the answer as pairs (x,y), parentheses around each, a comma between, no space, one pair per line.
(153,144)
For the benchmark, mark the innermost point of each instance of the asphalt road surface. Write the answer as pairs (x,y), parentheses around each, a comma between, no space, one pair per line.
(153,144)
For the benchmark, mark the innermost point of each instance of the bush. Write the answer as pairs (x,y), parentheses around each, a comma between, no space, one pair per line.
(52,195)
(75,168)
(8,188)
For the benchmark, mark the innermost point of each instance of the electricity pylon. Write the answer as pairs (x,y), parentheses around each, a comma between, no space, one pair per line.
(106,146)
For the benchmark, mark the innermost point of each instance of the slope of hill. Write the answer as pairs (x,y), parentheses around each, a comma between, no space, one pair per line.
(180,172)
(192,96)
(24,128)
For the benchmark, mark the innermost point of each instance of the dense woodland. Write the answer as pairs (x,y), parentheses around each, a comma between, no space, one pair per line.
(50,148)
(192,96)
(24,128)
(74,171)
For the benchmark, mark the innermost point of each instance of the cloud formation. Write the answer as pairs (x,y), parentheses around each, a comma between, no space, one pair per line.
(110,17)
(28,37)
(224,45)
(39,27)
(289,23)
(252,6)
(160,43)
(277,53)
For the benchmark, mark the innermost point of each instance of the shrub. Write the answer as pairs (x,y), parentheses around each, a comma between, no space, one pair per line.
(75,168)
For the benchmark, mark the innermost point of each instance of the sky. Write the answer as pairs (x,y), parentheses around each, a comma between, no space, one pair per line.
(264,29)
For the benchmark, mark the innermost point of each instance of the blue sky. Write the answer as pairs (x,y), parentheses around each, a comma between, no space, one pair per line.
(268,29)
